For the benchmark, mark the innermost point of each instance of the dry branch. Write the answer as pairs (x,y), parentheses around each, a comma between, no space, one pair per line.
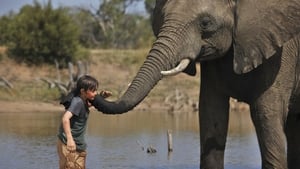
(5,83)
(65,88)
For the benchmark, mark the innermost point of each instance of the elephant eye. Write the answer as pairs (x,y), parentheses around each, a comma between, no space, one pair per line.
(207,24)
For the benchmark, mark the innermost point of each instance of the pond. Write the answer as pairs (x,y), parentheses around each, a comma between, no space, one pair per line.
(28,141)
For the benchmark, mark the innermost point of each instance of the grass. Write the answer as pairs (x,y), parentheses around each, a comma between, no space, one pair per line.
(29,92)
(125,58)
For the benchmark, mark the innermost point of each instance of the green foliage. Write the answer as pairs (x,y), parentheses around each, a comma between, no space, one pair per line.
(6,29)
(41,34)
(130,31)
(113,27)
(88,28)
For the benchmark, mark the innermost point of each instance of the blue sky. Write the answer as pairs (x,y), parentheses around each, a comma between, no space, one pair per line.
(15,5)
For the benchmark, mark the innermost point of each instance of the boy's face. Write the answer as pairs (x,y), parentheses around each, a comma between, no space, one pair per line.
(90,94)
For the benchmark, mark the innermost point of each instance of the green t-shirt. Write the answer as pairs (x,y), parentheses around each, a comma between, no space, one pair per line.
(78,123)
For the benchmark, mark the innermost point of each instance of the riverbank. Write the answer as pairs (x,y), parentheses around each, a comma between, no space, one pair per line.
(113,68)
(28,106)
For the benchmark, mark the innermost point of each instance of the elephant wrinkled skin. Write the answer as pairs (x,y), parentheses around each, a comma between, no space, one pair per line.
(248,50)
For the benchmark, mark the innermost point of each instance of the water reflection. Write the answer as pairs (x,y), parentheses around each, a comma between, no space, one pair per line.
(29,124)
(143,122)
(28,141)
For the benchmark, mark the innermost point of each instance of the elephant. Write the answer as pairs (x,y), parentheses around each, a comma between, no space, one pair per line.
(248,50)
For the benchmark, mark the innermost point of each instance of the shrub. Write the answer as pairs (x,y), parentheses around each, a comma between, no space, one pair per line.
(42,34)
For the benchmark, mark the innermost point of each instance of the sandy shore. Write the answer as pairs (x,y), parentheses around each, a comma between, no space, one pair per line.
(27,106)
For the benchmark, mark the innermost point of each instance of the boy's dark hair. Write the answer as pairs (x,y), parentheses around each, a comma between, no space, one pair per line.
(85,82)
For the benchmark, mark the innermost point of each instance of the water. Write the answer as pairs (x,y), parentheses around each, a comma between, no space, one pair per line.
(28,141)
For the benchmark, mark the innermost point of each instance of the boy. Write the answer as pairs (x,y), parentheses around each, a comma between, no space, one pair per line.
(71,144)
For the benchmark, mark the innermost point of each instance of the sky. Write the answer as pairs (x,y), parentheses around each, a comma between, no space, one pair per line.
(14,5)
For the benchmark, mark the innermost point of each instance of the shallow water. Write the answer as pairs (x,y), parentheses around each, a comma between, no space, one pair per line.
(28,141)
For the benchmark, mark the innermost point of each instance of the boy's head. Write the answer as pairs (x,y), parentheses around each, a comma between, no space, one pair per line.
(86,83)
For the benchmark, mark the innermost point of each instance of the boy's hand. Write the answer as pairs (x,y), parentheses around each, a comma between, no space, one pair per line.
(105,93)
(71,146)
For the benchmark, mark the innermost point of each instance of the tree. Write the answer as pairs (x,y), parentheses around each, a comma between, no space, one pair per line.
(89,29)
(6,29)
(116,28)
(43,34)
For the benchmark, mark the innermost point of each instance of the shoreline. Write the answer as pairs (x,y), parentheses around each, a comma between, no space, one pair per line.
(28,106)
(40,107)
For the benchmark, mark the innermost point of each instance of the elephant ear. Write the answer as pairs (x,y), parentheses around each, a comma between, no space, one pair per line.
(262,27)
(158,16)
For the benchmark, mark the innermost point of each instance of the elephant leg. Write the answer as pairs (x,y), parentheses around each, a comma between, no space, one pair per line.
(214,114)
(293,139)
(268,115)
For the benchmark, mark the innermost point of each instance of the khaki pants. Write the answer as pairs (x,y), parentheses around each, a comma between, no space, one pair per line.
(70,160)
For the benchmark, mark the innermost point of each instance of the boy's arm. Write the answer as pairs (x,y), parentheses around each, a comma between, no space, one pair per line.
(71,146)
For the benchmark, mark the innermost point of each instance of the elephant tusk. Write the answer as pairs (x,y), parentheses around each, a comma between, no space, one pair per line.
(181,66)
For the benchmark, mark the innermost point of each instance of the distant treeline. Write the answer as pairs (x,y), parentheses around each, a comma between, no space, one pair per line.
(39,33)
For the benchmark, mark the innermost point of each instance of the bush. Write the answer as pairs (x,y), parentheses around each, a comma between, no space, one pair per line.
(42,34)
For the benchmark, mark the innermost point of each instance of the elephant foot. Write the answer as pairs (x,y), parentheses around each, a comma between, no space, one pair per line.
(293,140)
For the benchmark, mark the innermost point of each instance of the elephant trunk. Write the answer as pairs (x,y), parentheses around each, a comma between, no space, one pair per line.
(158,59)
